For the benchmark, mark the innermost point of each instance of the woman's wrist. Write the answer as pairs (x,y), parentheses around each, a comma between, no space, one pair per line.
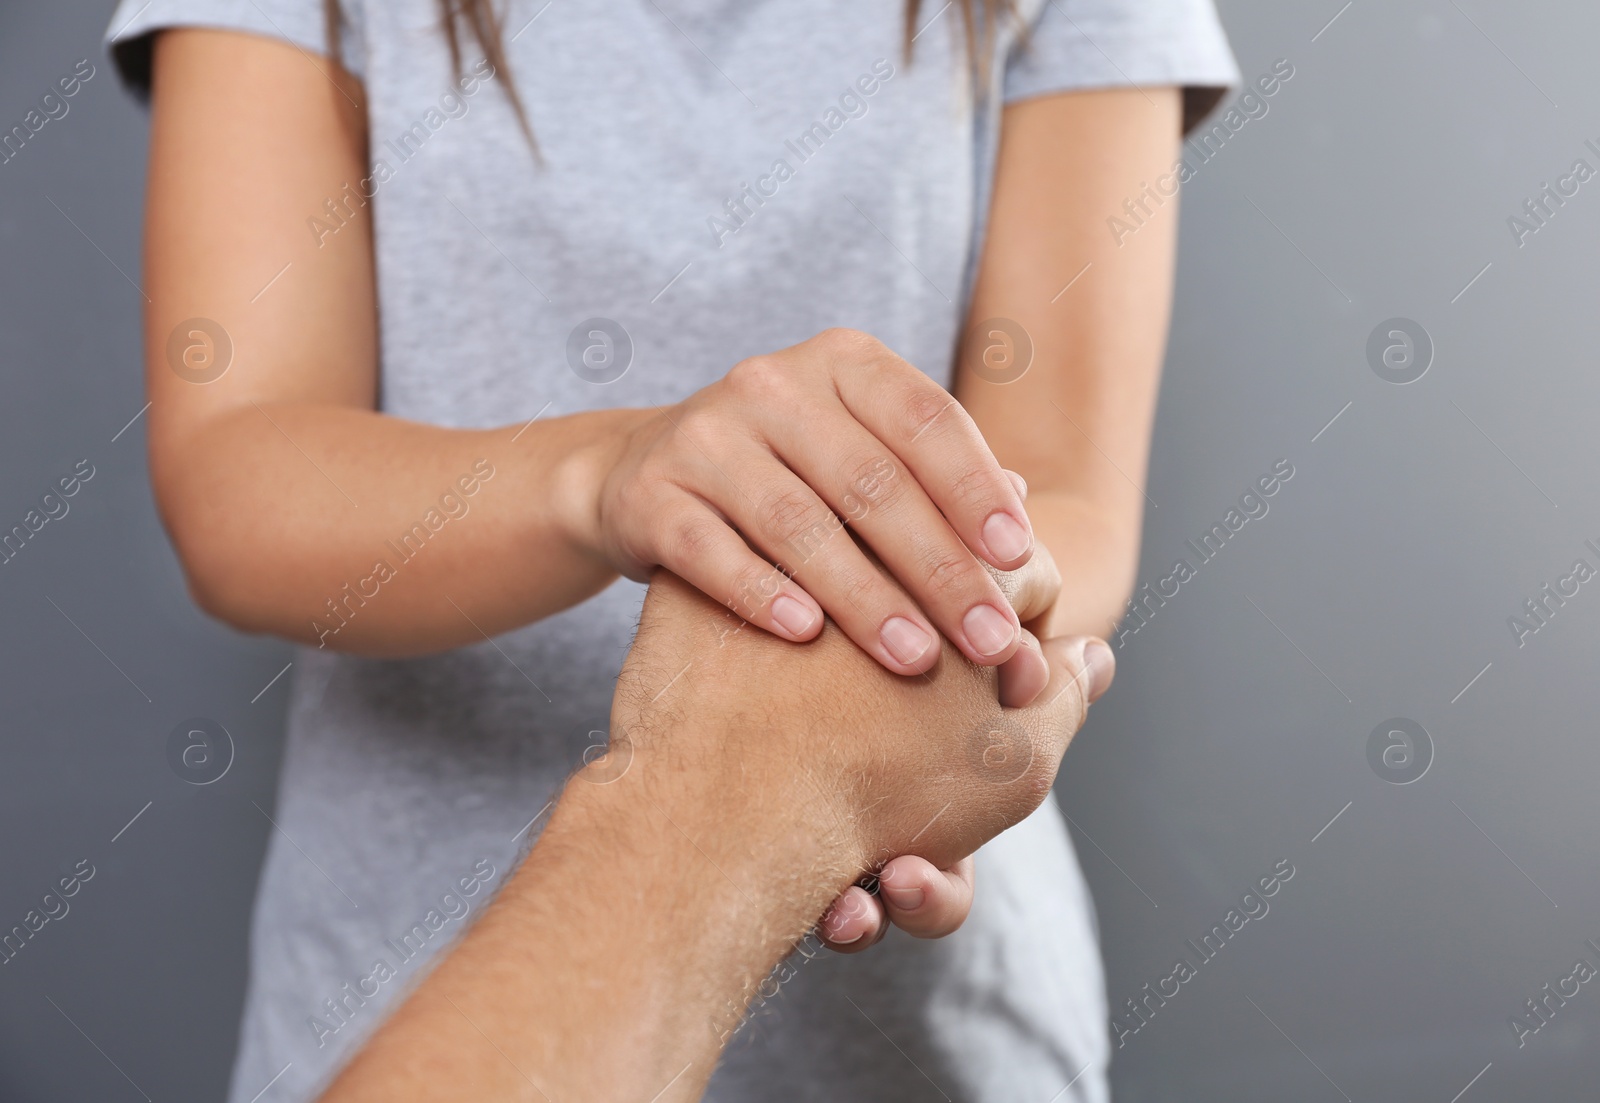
(1096,548)
(593,446)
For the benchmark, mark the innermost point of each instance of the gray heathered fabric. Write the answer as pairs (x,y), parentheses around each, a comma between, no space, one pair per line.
(406,783)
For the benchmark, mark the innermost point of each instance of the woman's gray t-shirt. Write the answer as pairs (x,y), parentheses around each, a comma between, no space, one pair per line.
(718,179)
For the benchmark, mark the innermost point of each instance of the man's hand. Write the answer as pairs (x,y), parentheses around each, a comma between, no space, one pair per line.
(874,765)
(749,782)
(914,894)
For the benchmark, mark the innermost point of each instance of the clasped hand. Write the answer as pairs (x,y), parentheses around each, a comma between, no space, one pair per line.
(832,482)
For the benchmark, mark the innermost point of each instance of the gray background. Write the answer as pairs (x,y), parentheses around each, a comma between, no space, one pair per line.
(1377,586)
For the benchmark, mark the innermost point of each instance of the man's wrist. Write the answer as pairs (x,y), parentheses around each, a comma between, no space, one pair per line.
(745,820)
(708,885)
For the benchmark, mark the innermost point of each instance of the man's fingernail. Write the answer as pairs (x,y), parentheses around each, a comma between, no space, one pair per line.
(1101,665)
(792,616)
(1005,536)
(906,641)
(906,899)
(988,630)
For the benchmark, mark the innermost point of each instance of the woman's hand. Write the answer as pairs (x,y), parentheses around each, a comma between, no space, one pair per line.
(768,464)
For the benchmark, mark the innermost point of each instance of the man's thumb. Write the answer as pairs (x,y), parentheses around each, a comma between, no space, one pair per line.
(1081,669)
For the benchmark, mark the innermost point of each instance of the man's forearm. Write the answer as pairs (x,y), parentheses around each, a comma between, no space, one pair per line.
(673,875)
(750,781)
(613,963)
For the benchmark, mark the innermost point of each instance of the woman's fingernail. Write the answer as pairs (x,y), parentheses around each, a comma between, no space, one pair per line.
(1101,665)
(1018,483)
(906,641)
(792,616)
(1005,536)
(832,925)
(988,630)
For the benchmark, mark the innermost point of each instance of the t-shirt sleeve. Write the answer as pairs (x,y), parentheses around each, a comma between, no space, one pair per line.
(1082,44)
(302,22)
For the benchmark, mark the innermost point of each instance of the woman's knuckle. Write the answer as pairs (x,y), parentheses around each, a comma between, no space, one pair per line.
(945,575)
(693,538)
(753,587)
(971,487)
(859,588)
(873,482)
(844,341)
(698,427)
(758,378)
(924,408)
(788,514)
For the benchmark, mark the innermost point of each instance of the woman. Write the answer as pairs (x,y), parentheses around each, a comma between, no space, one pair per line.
(447,334)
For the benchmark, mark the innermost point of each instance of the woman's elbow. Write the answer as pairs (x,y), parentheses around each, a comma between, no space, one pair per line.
(215,580)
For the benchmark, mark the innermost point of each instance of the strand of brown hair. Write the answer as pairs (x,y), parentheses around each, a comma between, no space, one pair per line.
(979,23)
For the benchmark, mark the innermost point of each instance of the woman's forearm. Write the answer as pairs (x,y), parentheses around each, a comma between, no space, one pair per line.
(1098,550)
(1087,312)
(295,508)
(364,533)
(263,366)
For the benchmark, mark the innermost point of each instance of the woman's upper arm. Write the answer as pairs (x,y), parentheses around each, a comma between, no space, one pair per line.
(250,138)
